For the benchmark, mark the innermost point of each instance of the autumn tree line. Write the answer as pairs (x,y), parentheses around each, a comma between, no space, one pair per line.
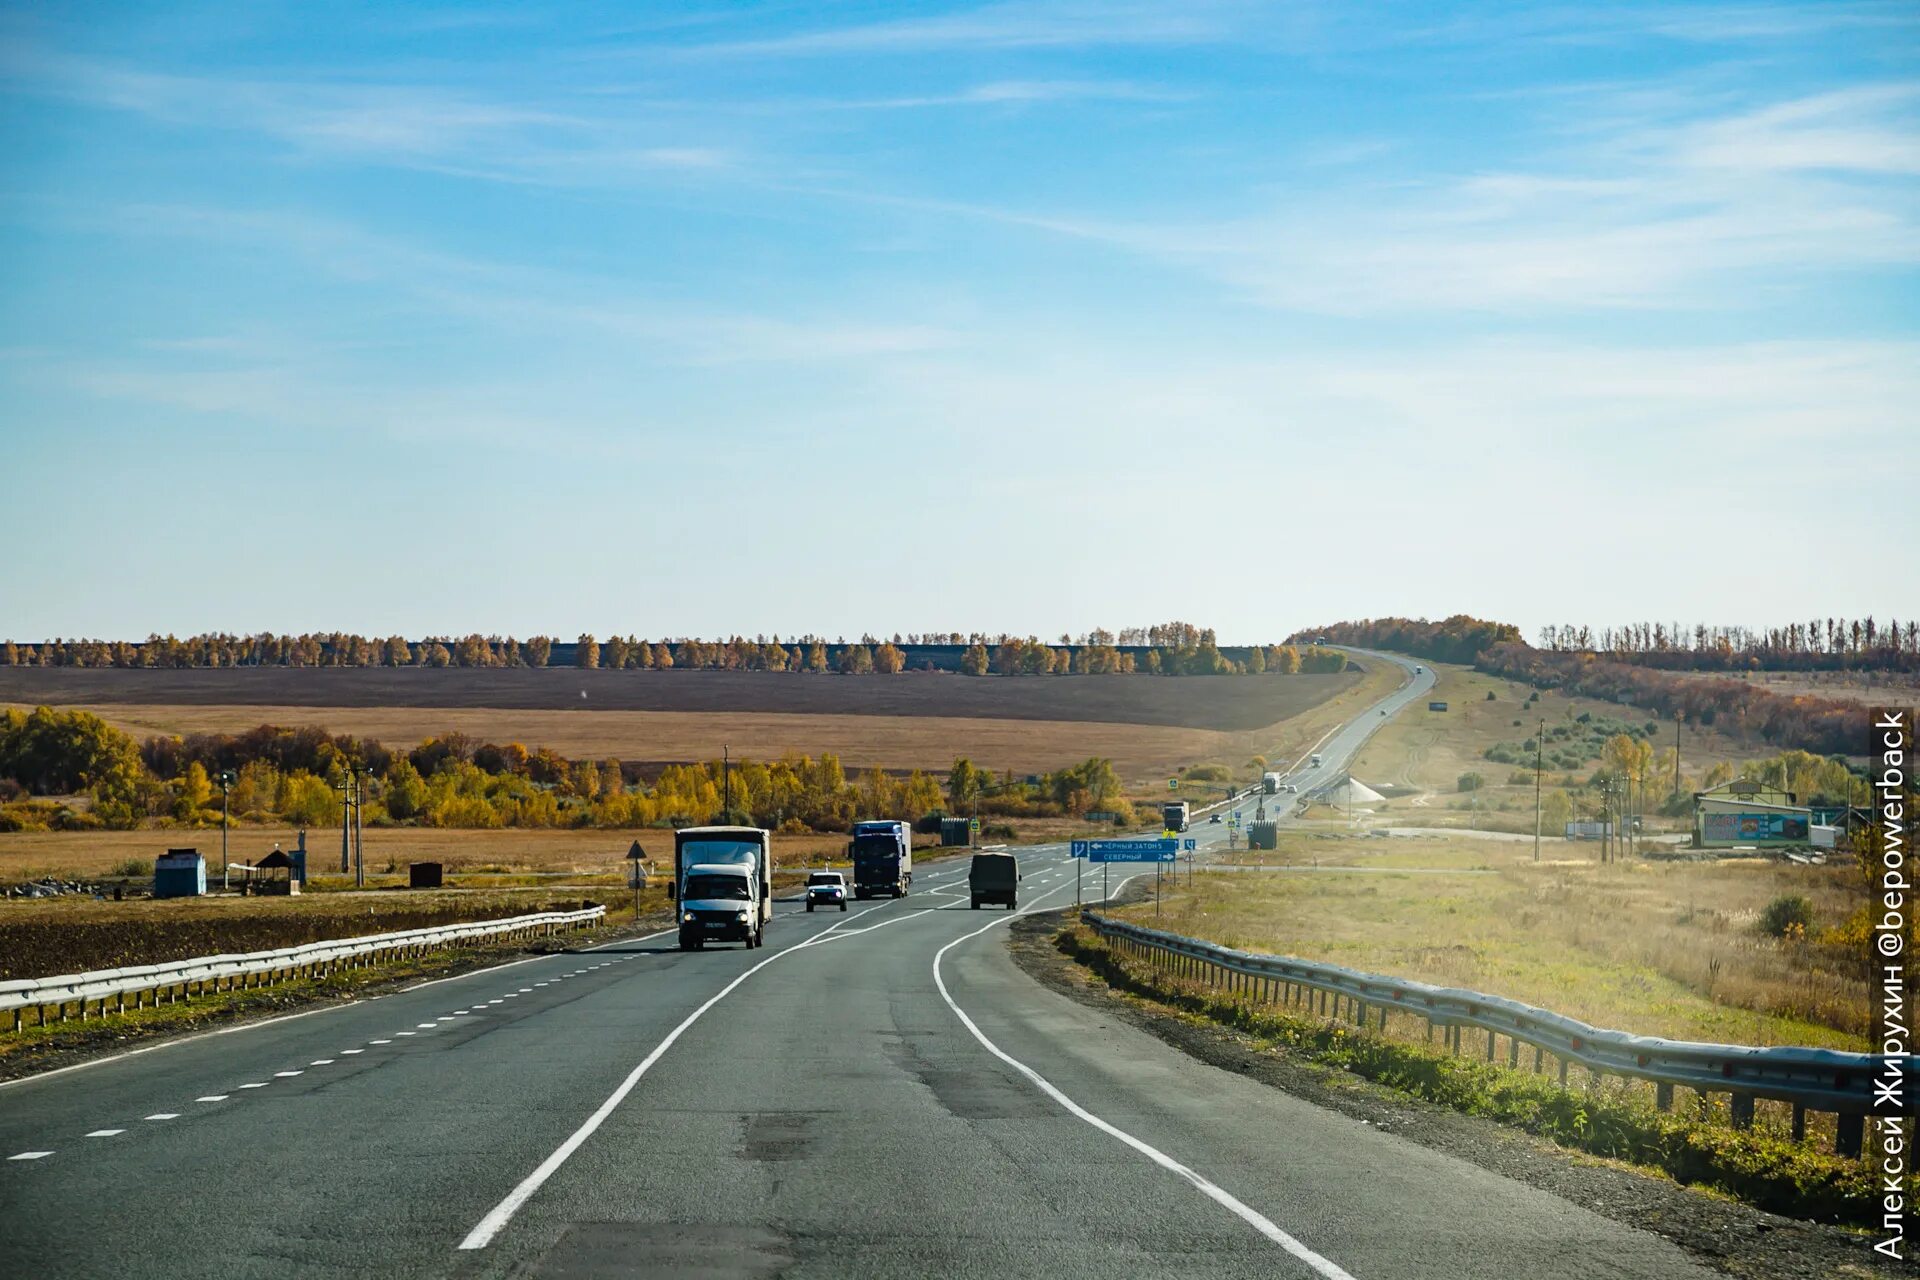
(1640,677)
(1165,649)
(1819,644)
(296,776)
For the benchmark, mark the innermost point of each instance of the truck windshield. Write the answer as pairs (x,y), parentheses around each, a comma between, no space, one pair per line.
(719,851)
(876,846)
(710,887)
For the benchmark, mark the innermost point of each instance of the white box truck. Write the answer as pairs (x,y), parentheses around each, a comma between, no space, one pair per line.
(722,885)
(1270,783)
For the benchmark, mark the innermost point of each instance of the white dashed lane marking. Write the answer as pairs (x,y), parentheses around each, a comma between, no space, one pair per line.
(321,1062)
(212,1097)
(164,1115)
(258,1084)
(105,1133)
(379,1042)
(353,1051)
(31,1155)
(282,1075)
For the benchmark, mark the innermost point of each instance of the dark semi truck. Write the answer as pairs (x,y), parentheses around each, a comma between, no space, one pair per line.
(882,854)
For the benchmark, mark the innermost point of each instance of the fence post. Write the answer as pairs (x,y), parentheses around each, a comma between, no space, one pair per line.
(1799,1123)
(1663,1096)
(1742,1110)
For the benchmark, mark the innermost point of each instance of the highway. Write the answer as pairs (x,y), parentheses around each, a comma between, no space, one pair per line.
(879,1092)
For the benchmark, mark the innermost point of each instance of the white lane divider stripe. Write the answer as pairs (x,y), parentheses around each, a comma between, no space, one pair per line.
(164,1115)
(1252,1217)
(31,1155)
(212,1097)
(258,1084)
(105,1133)
(501,1214)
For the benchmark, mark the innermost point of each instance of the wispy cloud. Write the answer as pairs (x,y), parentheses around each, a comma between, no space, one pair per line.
(441,129)
(1003,26)
(1661,216)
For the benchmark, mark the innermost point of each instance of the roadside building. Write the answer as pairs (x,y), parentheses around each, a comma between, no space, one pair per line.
(1741,813)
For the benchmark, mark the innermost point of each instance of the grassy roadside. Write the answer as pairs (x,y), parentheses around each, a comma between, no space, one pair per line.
(1756,1167)
(1669,949)
(36,1049)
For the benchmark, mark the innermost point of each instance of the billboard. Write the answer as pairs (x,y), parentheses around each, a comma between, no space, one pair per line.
(1754,828)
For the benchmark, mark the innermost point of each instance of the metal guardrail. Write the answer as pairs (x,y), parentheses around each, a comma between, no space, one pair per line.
(181,979)
(1810,1079)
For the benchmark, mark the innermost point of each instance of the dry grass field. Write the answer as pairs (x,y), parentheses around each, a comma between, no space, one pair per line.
(1417,758)
(1147,726)
(1666,948)
(1875,688)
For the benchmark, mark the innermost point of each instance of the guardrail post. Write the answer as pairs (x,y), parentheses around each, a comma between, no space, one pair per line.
(1563,1073)
(1513,1053)
(1848,1134)
(1799,1123)
(1663,1096)
(1537,1051)
(1491,1037)
(1742,1110)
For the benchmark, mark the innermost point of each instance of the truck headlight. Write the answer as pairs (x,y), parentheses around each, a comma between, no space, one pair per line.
(742,917)
(687,917)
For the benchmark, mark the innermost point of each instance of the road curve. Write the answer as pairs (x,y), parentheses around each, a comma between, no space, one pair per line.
(880,1092)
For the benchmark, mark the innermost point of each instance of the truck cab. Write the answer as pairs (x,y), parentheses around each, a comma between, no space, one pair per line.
(722,885)
(1175,814)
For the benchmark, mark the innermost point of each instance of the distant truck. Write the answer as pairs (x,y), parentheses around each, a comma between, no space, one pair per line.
(882,853)
(1174,815)
(1270,783)
(1314,760)
(723,883)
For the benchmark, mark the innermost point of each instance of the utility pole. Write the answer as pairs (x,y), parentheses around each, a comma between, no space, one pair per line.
(1539,754)
(346,808)
(226,780)
(359,851)
(1678,716)
(726,775)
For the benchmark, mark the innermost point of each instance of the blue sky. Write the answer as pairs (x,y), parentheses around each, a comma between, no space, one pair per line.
(1035,317)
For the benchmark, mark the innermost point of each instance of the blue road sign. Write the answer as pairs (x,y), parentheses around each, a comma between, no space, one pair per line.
(1189,844)
(1079,848)
(1162,850)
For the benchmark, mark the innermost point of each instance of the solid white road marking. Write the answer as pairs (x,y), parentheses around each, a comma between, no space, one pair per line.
(488,1227)
(1252,1217)
(31,1155)
(105,1133)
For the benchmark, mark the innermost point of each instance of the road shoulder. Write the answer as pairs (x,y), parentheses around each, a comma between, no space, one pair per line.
(1725,1235)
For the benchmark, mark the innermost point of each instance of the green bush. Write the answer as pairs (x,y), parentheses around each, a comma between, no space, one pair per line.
(1789,915)
(1471,782)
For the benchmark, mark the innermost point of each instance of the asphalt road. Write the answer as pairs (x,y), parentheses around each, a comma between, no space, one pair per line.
(878,1092)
